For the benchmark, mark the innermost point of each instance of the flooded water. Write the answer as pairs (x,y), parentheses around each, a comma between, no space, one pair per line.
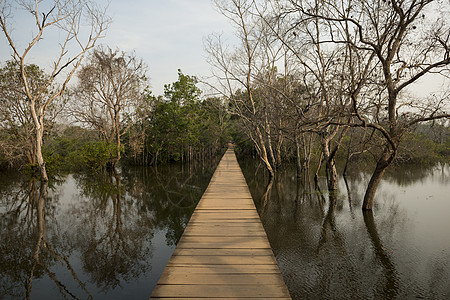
(326,251)
(110,236)
(107,236)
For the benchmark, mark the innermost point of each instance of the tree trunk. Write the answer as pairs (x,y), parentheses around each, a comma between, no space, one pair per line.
(40,157)
(298,156)
(263,153)
(117,131)
(382,164)
(330,168)
(269,142)
(306,151)
(278,148)
(38,121)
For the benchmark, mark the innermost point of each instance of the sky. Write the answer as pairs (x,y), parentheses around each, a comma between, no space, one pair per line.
(167,34)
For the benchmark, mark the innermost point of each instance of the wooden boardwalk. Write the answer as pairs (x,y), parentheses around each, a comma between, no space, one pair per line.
(224,252)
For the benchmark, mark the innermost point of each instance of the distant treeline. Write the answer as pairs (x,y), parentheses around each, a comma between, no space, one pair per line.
(426,143)
(103,125)
(181,125)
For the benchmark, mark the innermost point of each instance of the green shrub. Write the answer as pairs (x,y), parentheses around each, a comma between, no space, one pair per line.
(94,156)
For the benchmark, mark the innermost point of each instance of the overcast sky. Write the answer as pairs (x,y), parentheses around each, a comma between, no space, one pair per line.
(166,34)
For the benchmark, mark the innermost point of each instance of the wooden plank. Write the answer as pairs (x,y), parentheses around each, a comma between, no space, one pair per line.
(220,260)
(236,223)
(228,226)
(223,269)
(223,216)
(224,206)
(226,213)
(242,252)
(224,252)
(219,233)
(235,279)
(222,239)
(218,290)
(216,221)
(221,195)
(237,233)
(230,211)
(196,245)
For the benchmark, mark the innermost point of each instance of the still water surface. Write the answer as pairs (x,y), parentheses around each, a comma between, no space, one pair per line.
(110,236)
(326,251)
(107,236)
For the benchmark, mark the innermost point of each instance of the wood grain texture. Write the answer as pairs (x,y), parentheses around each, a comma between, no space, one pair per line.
(224,252)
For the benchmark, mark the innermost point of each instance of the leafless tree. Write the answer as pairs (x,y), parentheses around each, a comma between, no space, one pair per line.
(379,49)
(110,94)
(236,71)
(407,40)
(70,18)
(322,67)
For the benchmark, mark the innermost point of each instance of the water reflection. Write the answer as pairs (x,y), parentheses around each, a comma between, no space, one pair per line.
(110,232)
(29,251)
(331,250)
(94,236)
(390,290)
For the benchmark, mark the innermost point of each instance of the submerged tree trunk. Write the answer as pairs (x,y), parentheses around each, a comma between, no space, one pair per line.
(269,141)
(298,156)
(306,150)
(280,140)
(40,159)
(382,164)
(316,174)
(330,167)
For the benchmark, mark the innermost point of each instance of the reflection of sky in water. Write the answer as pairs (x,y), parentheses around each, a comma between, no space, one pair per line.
(426,205)
(323,251)
(113,234)
(161,256)
(419,236)
(402,251)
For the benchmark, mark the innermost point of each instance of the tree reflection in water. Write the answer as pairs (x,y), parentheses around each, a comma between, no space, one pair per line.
(92,236)
(112,236)
(28,250)
(331,250)
(390,290)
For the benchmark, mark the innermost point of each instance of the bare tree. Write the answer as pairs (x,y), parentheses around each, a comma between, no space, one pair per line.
(16,124)
(69,17)
(385,47)
(407,40)
(110,94)
(322,67)
(236,71)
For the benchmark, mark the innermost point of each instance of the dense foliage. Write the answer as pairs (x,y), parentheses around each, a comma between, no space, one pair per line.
(181,125)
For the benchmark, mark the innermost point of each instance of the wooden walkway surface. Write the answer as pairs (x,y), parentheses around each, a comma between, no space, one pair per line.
(224,252)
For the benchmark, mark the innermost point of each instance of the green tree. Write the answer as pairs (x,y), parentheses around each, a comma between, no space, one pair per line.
(175,122)
(183,125)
